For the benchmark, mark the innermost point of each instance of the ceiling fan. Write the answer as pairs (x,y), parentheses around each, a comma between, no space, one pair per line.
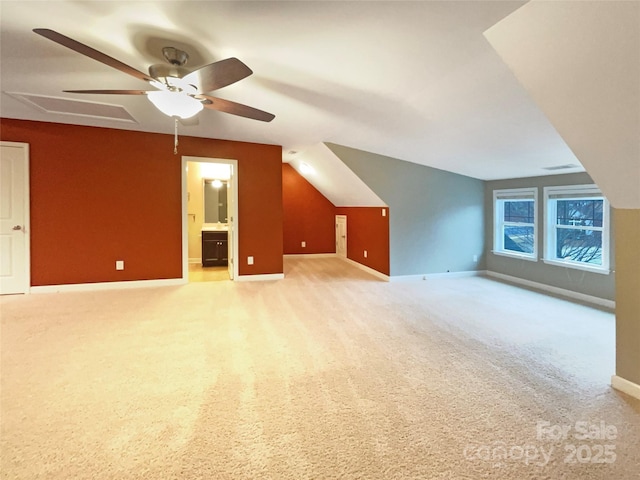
(178,91)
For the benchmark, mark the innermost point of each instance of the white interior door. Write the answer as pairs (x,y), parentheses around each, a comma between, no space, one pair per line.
(341,235)
(14,218)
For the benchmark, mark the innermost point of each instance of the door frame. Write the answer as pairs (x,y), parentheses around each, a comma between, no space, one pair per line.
(233,214)
(27,212)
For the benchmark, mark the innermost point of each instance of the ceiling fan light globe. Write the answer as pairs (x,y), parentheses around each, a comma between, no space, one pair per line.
(175,104)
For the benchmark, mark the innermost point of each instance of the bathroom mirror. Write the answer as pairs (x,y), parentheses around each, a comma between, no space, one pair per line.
(215,201)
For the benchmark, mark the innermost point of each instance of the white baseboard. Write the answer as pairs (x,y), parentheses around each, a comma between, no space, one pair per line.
(625,386)
(195,260)
(85,287)
(602,302)
(310,255)
(411,278)
(259,278)
(432,276)
(366,269)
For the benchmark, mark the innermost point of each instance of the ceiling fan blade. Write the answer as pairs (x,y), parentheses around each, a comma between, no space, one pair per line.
(236,108)
(110,92)
(217,75)
(92,53)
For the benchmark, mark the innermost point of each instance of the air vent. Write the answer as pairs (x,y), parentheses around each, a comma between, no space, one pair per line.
(562,167)
(80,108)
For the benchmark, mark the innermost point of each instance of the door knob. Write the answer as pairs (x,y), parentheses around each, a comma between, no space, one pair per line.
(17,227)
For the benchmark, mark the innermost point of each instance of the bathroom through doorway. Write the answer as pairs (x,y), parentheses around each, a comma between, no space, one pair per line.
(209,219)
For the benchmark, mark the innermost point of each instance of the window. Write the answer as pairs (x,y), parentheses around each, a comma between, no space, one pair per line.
(577,227)
(515,215)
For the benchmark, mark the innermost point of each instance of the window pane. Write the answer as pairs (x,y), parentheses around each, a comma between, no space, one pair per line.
(518,239)
(597,213)
(576,212)
(520,211)
(579,245)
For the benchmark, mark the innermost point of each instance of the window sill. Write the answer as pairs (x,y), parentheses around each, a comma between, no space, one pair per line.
(515,255)
(600,270)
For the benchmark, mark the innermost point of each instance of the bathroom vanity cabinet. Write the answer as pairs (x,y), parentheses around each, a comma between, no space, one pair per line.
(214,248)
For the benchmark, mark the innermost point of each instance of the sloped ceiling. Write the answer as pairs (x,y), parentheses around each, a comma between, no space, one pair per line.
(334,179)
(580,62)
(415,81)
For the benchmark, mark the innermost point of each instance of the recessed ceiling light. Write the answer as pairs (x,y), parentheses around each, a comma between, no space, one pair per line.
(307,169)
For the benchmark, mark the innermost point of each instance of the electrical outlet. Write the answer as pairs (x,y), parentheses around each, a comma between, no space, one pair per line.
(250,260)
(119,264)
(304,244)
(365,254)
(475,258)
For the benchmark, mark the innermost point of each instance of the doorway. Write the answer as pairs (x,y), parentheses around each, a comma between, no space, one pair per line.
(209,219)
(341,235)
(15,267)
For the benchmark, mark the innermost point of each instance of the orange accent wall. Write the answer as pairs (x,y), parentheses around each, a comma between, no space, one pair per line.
(308,216)
(99,195)
(368,230)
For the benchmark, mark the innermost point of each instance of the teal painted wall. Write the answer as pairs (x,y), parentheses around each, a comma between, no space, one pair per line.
(581,281)
(436,218)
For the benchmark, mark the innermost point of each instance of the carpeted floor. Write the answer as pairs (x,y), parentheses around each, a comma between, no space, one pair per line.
(327,374)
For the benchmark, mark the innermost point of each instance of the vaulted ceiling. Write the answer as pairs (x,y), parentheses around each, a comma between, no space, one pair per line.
(416,81)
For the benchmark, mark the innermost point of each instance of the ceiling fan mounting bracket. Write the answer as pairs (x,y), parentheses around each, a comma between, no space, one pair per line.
(176,59)
(175,56)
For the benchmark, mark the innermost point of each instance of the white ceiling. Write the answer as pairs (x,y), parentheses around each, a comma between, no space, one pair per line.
(411,80)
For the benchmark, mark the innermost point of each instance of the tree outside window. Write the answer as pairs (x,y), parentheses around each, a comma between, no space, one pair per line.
(577,232)
(515,222)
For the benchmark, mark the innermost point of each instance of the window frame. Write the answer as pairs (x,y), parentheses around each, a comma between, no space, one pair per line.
(499,196)
(581,192)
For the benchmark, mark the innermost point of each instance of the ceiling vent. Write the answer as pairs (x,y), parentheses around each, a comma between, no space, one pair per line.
(563,167)
(80,108)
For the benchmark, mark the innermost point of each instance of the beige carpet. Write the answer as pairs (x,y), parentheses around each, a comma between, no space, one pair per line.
(327,374)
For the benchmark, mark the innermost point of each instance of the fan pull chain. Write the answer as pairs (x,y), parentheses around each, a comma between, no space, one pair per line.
(175,138)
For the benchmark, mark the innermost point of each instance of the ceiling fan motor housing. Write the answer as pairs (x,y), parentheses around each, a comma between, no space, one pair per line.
(162,70)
